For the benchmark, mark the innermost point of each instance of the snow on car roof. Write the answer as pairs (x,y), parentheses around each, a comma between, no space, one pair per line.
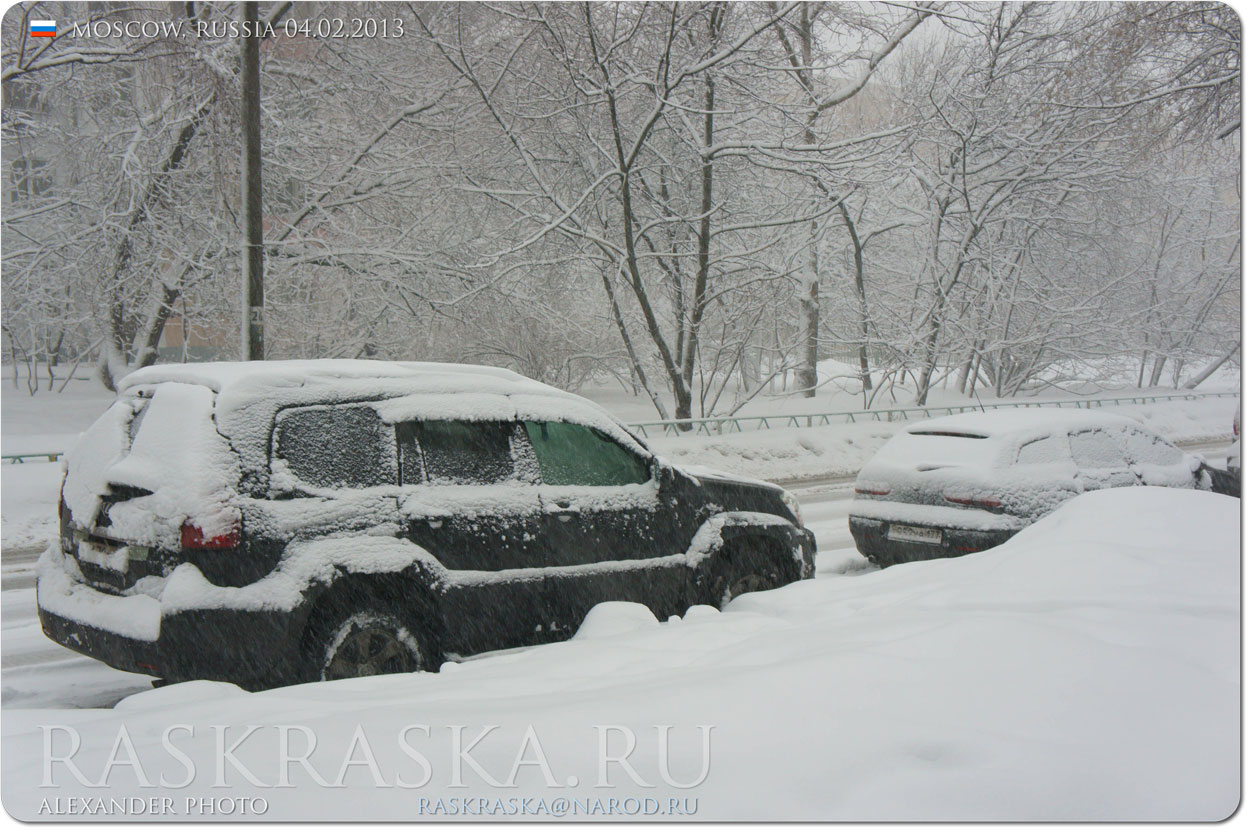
(233,375)
(1003,423)
(250,394)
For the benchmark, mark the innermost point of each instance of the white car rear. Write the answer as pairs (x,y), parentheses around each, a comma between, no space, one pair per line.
(964,483)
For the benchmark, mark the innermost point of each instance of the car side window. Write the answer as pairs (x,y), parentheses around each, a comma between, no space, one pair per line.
(1096,449)
(337,446)
(1045,451)
(572,454)
(1150,450)
(456,453)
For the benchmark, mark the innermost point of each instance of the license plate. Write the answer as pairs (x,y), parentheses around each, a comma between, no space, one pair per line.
(914,534)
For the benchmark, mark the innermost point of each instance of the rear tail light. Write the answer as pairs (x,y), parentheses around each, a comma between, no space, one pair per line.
(978,502)
(873,492)
(193,538)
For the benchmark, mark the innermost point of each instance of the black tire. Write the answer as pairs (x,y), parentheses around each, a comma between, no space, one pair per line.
(746,565)
(371,640)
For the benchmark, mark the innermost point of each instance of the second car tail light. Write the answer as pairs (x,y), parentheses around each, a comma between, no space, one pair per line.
(876,491)
(193,538)
(977,502)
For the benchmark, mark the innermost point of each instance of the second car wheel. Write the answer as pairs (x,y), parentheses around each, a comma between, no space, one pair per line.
(369,642)
(746,566)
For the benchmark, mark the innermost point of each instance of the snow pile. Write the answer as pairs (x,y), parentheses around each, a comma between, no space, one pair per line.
(615,618)
(1089,669)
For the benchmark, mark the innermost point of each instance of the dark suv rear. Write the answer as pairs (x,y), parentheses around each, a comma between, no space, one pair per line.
(277,522)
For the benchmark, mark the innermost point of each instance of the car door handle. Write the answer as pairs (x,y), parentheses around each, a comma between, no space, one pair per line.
(564,518)
(563,503)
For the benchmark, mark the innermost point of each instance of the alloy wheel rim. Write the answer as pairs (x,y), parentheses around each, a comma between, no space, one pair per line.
(369,650)
(748,583)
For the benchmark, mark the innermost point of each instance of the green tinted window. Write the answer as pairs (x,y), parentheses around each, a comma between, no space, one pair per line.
(576,455)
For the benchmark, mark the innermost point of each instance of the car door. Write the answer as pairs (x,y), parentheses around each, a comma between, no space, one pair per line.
(1043,476)
(332,471)
(1155,461)
(605,528)
(1100,460)
(464,499)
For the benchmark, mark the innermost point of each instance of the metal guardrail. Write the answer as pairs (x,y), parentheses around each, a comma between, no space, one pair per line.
(734,424)
(716,424)
(18,459)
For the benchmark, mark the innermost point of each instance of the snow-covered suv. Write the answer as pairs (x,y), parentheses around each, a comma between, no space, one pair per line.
(964,483)
(275,522)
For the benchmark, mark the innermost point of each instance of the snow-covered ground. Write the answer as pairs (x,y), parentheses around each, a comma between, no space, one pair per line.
(1089,668)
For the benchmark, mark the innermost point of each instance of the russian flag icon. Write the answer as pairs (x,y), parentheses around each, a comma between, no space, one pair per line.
(43,28)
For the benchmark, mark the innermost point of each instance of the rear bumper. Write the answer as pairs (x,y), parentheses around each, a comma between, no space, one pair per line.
(872,540)
(251,648)
(122,652)
(248,648)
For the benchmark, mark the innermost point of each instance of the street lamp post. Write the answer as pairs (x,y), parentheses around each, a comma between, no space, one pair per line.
(253,335)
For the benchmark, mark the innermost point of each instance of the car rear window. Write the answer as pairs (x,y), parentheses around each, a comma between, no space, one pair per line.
(339,446)
(924,448)
(571,454)
(456,453)
(1045,451)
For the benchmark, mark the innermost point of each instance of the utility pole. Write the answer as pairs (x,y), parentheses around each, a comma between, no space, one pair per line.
(253,243)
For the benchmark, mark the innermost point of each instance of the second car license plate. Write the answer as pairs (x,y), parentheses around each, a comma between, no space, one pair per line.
(914,534)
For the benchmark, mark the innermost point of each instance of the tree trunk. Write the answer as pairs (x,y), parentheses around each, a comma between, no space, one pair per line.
(684,396)
(635,364)
(809,309)
(861,297)
(1212,367)
(1156,372)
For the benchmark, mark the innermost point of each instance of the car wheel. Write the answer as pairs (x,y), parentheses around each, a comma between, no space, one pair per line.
(370,642)
(745,568)
(748,583)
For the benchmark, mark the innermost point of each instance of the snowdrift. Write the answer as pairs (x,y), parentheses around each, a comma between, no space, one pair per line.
(1087,669)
